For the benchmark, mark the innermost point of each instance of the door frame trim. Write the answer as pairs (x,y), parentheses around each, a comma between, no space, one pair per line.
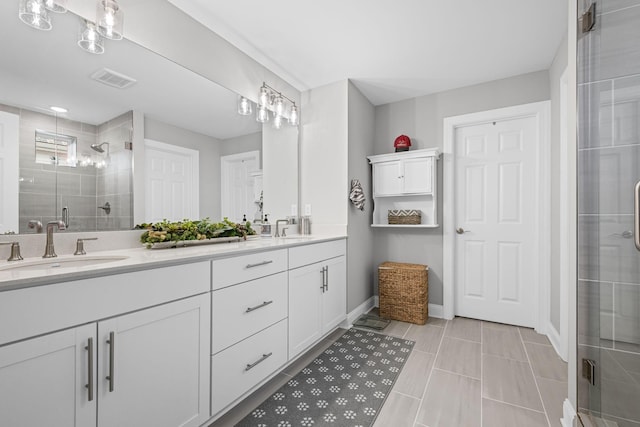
(541,111)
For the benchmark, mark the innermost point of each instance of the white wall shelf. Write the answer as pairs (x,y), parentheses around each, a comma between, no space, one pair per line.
(405,180)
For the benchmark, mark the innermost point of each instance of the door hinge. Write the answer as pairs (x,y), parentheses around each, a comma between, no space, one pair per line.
(589,370)
(128,145)
(589,19)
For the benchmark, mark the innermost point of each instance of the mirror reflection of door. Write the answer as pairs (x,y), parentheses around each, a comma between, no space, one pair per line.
(238,189)
(171,182)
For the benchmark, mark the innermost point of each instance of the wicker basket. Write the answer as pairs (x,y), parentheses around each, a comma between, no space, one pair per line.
(403,291)
(404,216)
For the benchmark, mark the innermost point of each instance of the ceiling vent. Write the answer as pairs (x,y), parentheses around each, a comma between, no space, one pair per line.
(113,78)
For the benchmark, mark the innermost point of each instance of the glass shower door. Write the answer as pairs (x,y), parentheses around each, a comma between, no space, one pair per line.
(608,173)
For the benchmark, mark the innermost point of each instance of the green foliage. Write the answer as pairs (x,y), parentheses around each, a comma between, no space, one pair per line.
(166,231)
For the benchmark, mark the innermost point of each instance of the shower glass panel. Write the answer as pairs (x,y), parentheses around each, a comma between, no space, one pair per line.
(608,170)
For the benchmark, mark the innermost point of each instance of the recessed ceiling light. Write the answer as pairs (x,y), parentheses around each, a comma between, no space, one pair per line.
(59,109)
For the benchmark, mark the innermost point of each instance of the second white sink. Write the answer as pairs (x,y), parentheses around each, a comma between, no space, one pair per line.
(55,263)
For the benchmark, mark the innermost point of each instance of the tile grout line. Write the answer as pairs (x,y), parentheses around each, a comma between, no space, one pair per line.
(535,381)
(426,386)
(459,374)
(514,405)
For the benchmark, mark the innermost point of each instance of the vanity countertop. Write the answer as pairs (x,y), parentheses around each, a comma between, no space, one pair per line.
(136,259)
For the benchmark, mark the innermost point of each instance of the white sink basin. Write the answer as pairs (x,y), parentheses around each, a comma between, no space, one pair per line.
(55,263)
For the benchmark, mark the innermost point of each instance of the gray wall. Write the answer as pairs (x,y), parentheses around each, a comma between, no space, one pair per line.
(421,119)
(361,266)
(555,72)
(209,160)
(242,144)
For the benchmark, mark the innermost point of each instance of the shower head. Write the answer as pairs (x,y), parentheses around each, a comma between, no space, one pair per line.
(98,147)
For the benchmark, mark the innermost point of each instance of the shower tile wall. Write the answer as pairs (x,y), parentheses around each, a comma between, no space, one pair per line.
(608,168)
(45,189)
(114,182)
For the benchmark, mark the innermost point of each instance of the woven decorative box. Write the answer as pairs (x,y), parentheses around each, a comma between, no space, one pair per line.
(405,216)
(403,292)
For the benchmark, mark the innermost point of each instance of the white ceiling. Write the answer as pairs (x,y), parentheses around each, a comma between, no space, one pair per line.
(391,49)
(39,69)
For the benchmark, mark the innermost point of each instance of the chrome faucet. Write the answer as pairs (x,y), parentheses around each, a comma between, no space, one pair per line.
(286,221)
(15,251)
(49,252)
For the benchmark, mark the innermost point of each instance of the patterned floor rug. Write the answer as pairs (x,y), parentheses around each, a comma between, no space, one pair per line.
(345,386)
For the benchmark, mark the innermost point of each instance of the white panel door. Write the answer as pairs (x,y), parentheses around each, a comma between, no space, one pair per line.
(334,298)
(495,190)
(387,178)
(171,182)
(237,192)
(416,175)
(9,186)
(43,381)
(305,307)
(160,359)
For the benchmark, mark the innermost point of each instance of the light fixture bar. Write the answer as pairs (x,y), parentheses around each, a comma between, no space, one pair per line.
(264,85)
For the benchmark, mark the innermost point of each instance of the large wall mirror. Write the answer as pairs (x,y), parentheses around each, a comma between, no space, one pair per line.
(128,100)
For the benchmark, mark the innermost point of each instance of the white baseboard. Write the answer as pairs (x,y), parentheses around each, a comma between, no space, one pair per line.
(435,310)
(554,337)
(359,311)
(568,414)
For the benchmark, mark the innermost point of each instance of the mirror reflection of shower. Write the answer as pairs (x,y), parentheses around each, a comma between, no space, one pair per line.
(99,148)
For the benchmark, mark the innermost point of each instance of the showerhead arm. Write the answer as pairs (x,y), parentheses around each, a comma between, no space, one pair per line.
(98,147)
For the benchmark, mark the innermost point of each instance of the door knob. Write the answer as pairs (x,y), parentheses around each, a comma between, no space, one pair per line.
(461,230)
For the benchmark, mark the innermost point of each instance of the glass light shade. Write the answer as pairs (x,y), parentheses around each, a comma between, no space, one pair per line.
(57,6)
(109,19)
(279,105)
(293,116)
(263,99)
(89,39)
(262,114)
(244,106)
(34,14)
(277,121)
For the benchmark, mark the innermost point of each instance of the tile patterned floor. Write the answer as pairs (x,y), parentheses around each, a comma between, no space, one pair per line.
(461,373)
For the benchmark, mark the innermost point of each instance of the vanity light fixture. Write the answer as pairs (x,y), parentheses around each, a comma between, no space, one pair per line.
(57,6)
(245,107)
(34,13)
(89,39)
(273,100)
(109,19)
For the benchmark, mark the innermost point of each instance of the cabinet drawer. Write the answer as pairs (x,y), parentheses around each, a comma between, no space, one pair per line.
(237,369)
(229,271)
(309,254)
(242,310)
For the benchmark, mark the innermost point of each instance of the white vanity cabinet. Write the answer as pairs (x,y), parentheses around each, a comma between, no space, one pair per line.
(405,180)
(317,292)
(249,323)
(43,380)
(113,371)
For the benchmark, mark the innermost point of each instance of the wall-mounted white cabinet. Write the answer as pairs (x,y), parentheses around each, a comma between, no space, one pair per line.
(405,180)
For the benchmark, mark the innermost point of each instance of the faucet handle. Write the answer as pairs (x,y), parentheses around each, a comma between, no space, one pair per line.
(15,251)
(80,245)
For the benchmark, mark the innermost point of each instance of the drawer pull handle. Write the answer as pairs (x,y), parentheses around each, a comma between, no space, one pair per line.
(89,386)
(264,304)
(257,362)
(258,264)
(112,350)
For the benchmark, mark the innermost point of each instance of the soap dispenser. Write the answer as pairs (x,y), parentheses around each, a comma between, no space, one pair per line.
(266,227)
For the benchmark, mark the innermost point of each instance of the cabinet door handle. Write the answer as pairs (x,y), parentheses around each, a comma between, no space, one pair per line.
(326,275)
(257,362)
(258,264)
(324,278)
(264,304)
(89,385)
(112,348)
